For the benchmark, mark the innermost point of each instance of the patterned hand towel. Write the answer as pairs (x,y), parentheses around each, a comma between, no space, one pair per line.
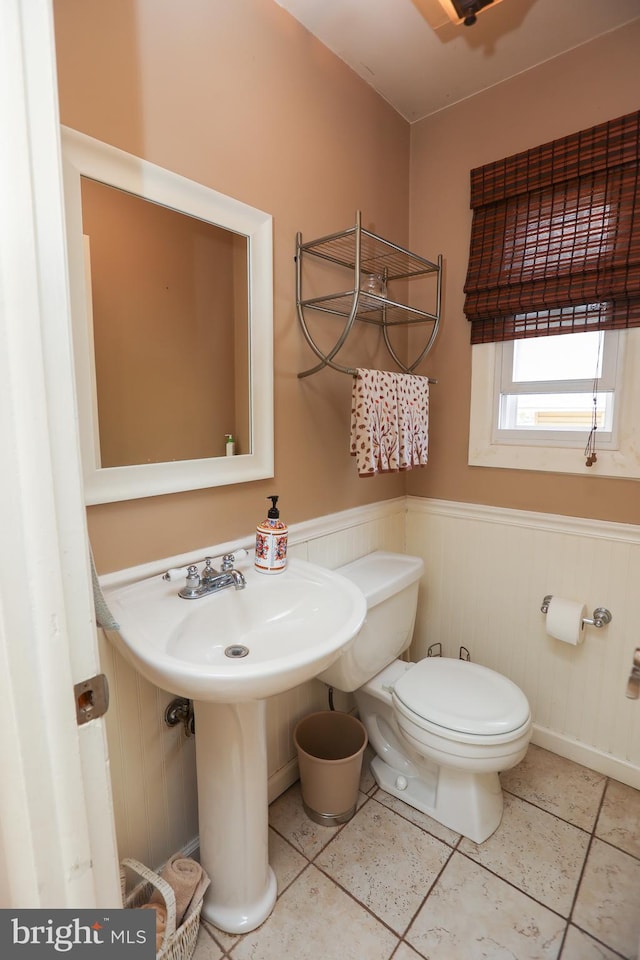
(413,420)
(374,422)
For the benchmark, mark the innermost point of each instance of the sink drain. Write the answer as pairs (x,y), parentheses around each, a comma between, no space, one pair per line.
(236,650)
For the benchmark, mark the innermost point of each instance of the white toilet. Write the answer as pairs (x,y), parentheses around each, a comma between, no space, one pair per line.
(442,729)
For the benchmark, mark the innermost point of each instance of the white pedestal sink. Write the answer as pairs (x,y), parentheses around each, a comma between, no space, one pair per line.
(293,625)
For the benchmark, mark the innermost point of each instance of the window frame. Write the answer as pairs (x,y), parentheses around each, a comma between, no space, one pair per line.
(621,460)
(608,382)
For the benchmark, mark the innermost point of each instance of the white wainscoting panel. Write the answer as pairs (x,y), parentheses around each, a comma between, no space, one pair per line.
(152,765)
(487,571)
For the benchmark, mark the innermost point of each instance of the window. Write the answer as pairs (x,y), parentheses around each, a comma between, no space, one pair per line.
(618,458)
(551,389)
(554,273)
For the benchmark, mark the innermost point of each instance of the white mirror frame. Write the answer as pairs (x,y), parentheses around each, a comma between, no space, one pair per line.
(85,156)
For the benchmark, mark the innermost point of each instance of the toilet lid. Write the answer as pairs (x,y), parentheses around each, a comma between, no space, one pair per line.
(462,696)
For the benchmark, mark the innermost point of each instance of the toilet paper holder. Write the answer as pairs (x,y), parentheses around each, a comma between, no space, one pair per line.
(601,616)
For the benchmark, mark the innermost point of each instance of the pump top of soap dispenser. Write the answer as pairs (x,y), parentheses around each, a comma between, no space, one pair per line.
(273,521)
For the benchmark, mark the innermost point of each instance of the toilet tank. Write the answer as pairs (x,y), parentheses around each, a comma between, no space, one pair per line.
(389,582)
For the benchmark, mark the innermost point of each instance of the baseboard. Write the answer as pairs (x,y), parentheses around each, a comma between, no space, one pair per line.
(563,746)
(190,849)
(602,763)
(588,756)
(282,779)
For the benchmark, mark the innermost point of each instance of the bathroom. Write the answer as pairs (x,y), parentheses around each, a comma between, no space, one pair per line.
(240,97)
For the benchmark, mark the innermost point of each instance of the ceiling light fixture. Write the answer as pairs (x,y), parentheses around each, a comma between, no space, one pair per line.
(465,11)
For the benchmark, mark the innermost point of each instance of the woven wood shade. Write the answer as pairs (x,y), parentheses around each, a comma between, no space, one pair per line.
(555,240)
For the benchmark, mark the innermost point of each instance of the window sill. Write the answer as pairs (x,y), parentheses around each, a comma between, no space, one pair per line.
(622,462)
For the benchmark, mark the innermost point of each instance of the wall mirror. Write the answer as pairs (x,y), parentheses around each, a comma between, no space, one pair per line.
(172,312)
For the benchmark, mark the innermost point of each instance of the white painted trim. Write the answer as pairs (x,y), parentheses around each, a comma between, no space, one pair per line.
(554,523)
(56,847)
(588,756)
(120,578)
(190,849)
(556,743)
(83,155)
(484,451)
(336,522)
(282,779)
(299,533)
(609,380)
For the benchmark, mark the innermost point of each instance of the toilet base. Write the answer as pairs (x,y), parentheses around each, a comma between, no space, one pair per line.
(468,803)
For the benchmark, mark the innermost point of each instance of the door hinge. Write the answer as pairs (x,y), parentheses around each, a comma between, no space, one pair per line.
(92,698)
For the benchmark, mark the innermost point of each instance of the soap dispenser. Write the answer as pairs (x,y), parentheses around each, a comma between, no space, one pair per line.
(271,541)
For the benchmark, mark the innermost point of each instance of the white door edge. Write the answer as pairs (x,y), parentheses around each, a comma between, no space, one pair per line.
(57,836)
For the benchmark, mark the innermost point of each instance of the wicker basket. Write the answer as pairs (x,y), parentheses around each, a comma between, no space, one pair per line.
(178,944)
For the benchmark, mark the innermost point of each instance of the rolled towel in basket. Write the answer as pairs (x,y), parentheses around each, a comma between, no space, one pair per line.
(184,875)
(161,921)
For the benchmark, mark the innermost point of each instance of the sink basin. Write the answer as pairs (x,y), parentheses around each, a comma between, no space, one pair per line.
(278,632)
(292,626)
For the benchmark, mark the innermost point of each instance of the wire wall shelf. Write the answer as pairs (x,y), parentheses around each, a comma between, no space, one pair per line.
(369,258)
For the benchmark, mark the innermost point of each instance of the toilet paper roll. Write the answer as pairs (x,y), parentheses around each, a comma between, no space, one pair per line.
(564,620)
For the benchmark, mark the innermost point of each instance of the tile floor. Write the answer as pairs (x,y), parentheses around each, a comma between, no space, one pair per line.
(560,878)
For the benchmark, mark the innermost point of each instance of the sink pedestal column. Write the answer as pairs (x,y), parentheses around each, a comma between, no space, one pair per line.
(233,811)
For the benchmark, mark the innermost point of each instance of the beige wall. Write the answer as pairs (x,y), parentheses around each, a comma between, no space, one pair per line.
(239,97)
(591,84)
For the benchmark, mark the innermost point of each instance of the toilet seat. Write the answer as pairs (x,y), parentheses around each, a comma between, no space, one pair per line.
(461,701)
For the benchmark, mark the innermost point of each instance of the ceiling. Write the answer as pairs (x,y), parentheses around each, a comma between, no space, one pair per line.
(420,62)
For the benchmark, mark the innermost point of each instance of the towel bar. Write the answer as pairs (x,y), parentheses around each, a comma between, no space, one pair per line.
(354,373)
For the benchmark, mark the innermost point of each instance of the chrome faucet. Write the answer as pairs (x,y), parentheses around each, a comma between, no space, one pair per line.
(211,580)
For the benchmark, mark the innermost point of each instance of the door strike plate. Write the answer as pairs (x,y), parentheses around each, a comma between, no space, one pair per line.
(92,698)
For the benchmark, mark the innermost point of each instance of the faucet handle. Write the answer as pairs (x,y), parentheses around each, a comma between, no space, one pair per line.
(191,584)
(175,573)
(230,558)
(208,572)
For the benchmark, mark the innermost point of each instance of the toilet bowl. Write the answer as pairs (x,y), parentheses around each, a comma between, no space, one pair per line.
(442,729)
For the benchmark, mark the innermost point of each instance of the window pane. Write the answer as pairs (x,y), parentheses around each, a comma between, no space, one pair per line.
(561,411)
(572,356)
